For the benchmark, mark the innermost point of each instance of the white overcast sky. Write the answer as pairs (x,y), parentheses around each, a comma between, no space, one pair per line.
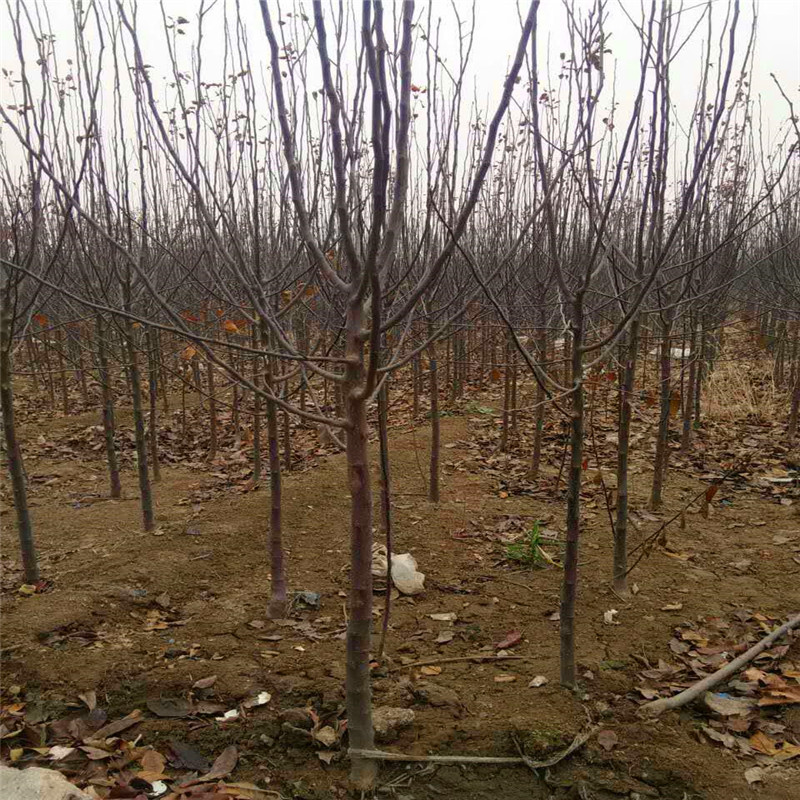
(497,29)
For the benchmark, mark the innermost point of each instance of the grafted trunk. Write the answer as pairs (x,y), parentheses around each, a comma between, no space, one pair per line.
(16,470)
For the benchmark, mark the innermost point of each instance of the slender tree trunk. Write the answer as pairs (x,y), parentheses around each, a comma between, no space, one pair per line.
(148,516)
(359,626)
(688,404)
(109,426)
(662,435)
(16,470)
(212,413)
(61,341)
(386,507)
(277,600)
(152,384)
(436,435)
(569,588)
(623,451)
(257,364)
(506,398)
(536,458)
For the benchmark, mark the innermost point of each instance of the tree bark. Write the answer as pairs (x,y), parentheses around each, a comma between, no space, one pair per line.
(109,425)
(359,625)
(569,588)
(148,516)
(30,563)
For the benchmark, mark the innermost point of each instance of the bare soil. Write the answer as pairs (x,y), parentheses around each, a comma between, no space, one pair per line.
(137,616)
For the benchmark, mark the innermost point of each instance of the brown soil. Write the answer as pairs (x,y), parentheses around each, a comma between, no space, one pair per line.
(107,624)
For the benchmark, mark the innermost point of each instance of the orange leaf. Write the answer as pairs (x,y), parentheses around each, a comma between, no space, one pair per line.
(189,353)
(230,326)
(41,319)
(495,374)
(711,491)
(674,403)
(218,312)
(763,744)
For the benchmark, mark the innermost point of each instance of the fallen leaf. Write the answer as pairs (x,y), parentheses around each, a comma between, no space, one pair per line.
(326,735)
(754,775)
(187,757)
(90,699)
(118,726)
(449,616)
(728,706)
(762,743)
(779,697)
(205,683)
(504,678)
(607,739)
(672,607)
(175,707)
(95,753)
(608,616)
(539,680)
(326,756)
(431,670)
(444,637)
(153,761)
(223,766)
(728,739)
(60,752)
(261,699)
(511,638)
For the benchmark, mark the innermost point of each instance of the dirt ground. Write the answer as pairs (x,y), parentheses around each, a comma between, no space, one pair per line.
(137,617)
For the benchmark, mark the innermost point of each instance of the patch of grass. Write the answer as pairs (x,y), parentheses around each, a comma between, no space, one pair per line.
(529,551)
(474,408)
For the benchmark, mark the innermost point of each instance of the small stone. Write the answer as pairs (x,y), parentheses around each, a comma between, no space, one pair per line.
(35,783)
(388,721)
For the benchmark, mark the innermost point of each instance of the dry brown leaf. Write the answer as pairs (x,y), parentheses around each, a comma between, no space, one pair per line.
(223,766)
(607,739)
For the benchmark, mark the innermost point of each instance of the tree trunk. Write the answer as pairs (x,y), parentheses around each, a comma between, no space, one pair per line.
(623,451)
(662,435)
(148,517)
(16,469)
(436,435)
(536,458)
(359,626)
(569,588)
(277,600)
(212,412)
(109,425)
(152,385)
